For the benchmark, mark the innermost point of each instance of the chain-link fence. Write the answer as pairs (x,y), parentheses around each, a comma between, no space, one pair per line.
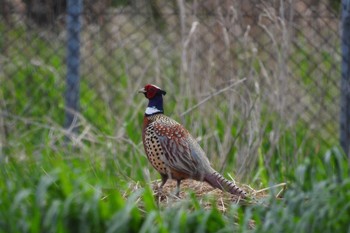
(287,52)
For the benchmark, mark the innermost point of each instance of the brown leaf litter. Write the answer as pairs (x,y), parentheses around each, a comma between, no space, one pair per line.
(206,194)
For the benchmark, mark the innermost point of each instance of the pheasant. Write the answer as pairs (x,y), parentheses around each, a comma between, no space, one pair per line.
(172,151)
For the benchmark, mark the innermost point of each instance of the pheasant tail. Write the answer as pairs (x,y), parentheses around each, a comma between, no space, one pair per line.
(218,181)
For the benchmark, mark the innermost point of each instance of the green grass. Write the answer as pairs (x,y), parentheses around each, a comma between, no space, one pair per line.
(64,192)
(49,185)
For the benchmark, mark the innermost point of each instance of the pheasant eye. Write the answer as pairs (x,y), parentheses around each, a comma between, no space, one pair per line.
(151,92)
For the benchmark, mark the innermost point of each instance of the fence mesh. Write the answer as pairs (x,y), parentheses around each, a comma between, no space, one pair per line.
(287,52)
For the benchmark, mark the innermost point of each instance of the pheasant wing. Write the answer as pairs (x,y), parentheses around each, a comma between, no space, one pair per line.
(174,141)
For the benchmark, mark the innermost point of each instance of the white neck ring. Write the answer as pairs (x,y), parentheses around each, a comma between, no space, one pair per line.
(152,110)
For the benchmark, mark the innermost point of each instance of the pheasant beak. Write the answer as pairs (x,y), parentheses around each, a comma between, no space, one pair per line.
(142,90)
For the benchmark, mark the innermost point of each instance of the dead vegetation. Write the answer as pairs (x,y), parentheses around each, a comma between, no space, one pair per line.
(208,196)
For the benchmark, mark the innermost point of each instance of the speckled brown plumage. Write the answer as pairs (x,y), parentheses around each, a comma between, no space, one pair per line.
(171,149)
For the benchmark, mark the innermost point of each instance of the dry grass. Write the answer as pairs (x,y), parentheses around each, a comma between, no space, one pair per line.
(207,195)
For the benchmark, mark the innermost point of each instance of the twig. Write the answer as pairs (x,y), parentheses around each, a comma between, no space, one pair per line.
(268,188)
(211,96)
(239,132)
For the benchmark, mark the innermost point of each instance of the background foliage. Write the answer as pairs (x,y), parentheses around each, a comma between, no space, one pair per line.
(256,82)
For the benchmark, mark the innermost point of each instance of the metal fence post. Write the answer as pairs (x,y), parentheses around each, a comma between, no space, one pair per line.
(74,10)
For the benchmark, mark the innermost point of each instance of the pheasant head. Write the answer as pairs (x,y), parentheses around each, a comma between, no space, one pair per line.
(155,96)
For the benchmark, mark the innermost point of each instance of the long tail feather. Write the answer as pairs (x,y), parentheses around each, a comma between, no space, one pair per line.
(218,181)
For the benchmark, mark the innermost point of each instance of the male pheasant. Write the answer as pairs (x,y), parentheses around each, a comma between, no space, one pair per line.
(172,151)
